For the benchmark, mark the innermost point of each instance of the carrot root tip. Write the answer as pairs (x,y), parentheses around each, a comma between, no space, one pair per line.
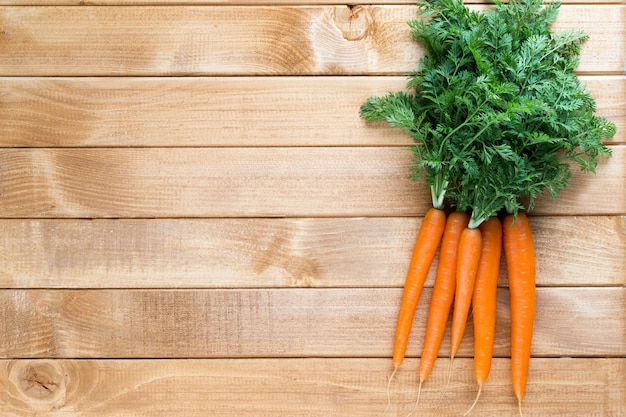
(480,389)
(389,389)
(417,400)
(445,388)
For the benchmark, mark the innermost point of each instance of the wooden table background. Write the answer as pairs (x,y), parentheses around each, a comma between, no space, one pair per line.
(195,221)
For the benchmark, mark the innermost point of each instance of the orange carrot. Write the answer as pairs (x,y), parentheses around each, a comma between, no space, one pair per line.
(520,262)
(484,300)
(443,292)
(469,250)
(424,251)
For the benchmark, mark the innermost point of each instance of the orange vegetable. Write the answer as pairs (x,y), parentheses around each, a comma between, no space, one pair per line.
(443,292)
(426,245)
(470,246)
(520,263)
(484,300)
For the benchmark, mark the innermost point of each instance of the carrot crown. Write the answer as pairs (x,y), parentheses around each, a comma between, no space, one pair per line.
(495,109)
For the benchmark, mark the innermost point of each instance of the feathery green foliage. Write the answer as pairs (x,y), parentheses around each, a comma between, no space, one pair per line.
(495,108)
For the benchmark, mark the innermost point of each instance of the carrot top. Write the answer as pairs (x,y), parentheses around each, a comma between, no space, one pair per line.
(495,108)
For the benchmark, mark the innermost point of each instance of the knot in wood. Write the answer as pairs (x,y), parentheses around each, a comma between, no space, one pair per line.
(41,384)
(354,22)
(39,381)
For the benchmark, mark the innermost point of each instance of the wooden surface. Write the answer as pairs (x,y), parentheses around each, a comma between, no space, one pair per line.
(266,253)
(195,221)
(244,40)
(217,111)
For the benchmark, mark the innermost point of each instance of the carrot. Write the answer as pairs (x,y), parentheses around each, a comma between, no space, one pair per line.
(467,264)
(443,295)
(520,262)
(484,300)
(443,292)
(426,245)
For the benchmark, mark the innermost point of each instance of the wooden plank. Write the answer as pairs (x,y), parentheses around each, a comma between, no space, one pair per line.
(202,182)
(237,111)
(309,252)
(610,96)
(249,182)
(251,40)
(300,387)
(222,111)
(583,188)
(280,323)
(232,2)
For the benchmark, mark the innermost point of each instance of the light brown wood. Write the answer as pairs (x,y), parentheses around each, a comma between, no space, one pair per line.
(306,252)
(231,111)
(586,189)
(301,387)
(250,182)
(143,271)
(355,322)
(236,2)
(238,111)
(202,182)
(253,40)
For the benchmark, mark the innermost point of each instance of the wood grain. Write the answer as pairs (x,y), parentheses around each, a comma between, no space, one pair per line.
(304,252)
(233,2)
(230,182)
(355,322)
(250,40)
(300,387)
(249,182)
(195,221)
(217,111)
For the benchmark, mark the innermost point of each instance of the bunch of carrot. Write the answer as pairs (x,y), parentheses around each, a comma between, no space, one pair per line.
(467,274)
(496,111)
